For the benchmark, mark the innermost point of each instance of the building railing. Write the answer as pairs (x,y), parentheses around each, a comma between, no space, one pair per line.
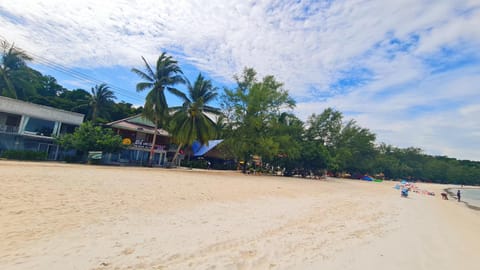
(8,129)
(148,145)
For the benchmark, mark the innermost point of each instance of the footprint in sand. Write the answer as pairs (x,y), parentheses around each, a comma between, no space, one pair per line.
(128,251)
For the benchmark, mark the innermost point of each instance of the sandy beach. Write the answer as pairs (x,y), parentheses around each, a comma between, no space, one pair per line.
(62,216)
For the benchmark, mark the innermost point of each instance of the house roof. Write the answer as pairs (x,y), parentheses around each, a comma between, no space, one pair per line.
(137,123)
(19,107)
(200,150)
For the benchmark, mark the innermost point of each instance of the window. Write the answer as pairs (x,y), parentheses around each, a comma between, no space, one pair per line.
(67,128)
(40,127)
(13,120)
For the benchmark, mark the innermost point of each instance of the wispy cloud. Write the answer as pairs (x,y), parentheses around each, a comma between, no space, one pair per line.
(385,60)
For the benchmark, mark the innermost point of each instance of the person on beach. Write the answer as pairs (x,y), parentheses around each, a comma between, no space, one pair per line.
(458,195)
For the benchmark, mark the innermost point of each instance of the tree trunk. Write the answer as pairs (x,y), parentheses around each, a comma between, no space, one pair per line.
(174,160)
(152,149)
(9,86)
(94,115)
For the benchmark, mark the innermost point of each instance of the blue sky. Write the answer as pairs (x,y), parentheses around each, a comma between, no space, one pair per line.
(407,70)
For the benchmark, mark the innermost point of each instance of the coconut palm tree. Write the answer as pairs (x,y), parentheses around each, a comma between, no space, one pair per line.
(100,96)
(190,121)
(13,69)
(166,74)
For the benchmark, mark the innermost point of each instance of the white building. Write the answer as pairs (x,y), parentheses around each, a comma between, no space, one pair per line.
(28,126)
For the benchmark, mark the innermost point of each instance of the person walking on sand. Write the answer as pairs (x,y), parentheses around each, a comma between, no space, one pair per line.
(458,195)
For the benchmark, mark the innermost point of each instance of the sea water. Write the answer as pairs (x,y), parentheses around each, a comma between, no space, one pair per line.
(471,196)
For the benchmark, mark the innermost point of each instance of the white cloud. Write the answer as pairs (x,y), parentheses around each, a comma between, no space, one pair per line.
(439,114)
(309,46)
(224,36)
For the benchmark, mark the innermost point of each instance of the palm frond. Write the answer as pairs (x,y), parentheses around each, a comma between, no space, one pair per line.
(178,94)
(143,75)
(148,69)
(143,86)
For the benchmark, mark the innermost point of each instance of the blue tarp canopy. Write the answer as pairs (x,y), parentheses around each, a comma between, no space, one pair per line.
(200,150)
(367,178)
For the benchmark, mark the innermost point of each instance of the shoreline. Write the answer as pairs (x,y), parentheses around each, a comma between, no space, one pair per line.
(454,195)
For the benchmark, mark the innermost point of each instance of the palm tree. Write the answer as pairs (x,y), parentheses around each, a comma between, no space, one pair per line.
(167,73)
(190,121)
(220,126)
(100,96)
(12,70)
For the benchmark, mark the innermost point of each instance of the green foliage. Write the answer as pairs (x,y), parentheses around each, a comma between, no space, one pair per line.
(96,104)
(15,77)
(411,163)
(315,156)
(288,131)
(203,164)
(355,149)
(99,99)
(252,110)
(256,121)
(122,110)
(325,128)
(48,86)
(339,146)
(166,74)
(45,90)
(24,155)
(195,163)
(190,121)
(88,137)
(17,80)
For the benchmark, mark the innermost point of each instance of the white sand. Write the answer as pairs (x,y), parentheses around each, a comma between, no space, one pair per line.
(57,216)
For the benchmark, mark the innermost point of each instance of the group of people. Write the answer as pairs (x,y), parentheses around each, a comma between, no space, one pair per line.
(445,195)
(405,187)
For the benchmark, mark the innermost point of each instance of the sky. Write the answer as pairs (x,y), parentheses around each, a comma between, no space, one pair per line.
(407,70)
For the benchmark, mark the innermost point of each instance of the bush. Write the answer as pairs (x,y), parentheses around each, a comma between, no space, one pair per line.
(74,159)
(196,163)
(226,165)
(215,165)
(24,155)
(88,137)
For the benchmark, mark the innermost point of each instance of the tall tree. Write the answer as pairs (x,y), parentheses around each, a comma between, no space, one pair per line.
(14,73)
(190,121)
(166,74)
(321,140)
(220,126)
(100,96)
(339,146)
(77,100)
(355,149)
(48,86)
(325,127)
(252,109)
(123,110)
(288,131)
